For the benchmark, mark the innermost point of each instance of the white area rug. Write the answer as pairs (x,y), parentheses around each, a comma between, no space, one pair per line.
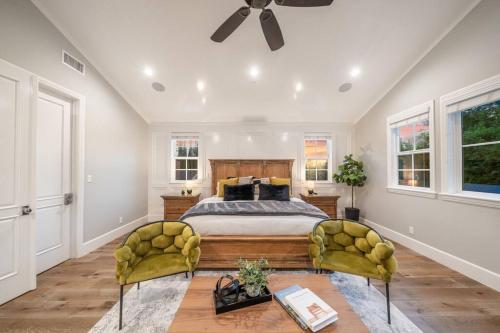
(152,308)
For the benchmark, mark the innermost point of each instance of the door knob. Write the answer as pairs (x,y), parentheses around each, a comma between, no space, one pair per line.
(68,198)
(26,210)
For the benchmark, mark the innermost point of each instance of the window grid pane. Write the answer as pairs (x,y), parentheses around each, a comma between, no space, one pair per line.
(186,158)
(317,158)
(412,152)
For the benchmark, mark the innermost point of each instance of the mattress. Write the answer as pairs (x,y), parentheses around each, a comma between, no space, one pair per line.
(238,225)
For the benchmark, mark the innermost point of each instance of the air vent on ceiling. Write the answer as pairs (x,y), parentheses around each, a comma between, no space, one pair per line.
(73,63)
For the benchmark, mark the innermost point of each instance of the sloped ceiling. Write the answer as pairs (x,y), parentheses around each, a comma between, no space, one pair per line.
(383,37)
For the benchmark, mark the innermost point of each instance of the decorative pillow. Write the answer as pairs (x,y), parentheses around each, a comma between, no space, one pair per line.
(222,182)
(258,181)
(282,181)
(245,180)
(238,192)
(274,192)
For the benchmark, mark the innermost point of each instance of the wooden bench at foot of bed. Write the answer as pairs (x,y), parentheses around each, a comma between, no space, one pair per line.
(282,252)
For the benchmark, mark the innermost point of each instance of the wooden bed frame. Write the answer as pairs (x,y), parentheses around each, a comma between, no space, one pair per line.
(282,252)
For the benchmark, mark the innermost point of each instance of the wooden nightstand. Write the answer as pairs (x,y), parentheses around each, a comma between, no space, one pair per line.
(327,203)
(176,205)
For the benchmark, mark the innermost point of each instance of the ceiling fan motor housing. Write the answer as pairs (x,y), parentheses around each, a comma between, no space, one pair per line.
(258,4)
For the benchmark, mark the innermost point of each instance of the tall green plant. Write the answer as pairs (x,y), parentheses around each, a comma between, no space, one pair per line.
(350,172)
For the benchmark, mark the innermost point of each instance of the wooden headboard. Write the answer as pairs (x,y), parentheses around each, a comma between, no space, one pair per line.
(222,169)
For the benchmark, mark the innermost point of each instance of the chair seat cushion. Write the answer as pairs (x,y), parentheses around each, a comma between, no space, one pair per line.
(157,266)
(352,263)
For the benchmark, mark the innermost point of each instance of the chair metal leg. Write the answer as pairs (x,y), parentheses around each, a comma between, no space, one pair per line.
(192,274)
(138,285)
(317,271)
(321,271)
(121,307)
(186,274)
(387,296)
(368,281)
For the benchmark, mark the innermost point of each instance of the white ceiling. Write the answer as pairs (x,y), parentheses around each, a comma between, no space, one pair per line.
(384,37)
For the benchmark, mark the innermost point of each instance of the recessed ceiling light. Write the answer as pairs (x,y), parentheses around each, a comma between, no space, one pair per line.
(148,71)
(200,85)
(249,138)
(299,87)
(345,87)
(158,86)
(254,72)
(295,96)
(204,100)
(355,72)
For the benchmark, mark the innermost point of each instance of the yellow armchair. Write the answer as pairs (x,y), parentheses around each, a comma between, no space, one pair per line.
(354,248)
(155,250)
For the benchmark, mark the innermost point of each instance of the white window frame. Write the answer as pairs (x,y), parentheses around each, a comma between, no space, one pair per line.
(172,138)
(392,152)
(329,138)
(451,106)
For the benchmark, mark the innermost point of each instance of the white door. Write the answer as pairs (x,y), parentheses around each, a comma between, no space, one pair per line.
(53,174)
(17,274)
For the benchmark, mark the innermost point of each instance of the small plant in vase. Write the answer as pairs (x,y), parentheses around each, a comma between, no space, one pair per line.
(351,173)
(253,274)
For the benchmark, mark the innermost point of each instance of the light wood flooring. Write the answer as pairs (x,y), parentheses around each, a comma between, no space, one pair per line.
(73,296)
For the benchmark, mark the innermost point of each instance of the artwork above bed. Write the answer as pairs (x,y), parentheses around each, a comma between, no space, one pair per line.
(224,168)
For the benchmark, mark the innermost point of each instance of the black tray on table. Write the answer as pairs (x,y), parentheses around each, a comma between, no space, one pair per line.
(243,300)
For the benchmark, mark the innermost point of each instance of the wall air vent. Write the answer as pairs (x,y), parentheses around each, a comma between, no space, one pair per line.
(73,63)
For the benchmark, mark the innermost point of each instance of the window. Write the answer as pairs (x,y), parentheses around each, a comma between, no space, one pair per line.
(471,144)
(410,149)
(318,158)
(481,148)
(185,158)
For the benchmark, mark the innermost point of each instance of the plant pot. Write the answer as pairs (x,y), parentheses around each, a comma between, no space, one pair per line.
(352,213)
(252,290)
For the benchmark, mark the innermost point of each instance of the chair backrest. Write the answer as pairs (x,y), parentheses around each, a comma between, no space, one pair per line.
(347,235)
(159,238)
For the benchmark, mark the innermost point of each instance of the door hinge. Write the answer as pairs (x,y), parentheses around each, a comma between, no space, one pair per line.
(68,199)
(26,210)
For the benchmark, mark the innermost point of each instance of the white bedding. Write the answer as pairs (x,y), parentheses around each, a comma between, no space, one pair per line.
(211,225)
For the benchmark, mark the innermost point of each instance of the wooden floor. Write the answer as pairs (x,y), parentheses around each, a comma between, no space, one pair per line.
(74,295)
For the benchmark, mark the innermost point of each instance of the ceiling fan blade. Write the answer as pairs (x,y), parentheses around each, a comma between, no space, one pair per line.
(271,29)
(303,3)
(233,22)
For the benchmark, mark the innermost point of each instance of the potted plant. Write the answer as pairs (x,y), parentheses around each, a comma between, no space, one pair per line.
(253,274)
(351,172)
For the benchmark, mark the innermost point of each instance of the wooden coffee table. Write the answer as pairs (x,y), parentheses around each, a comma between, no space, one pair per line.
(197,314)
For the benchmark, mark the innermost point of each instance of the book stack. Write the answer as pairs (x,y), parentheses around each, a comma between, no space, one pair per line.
(306,308)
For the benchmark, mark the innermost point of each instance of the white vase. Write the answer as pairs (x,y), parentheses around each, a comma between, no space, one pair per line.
(252,290)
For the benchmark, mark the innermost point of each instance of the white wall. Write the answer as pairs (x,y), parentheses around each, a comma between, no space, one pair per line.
(468,54)
(269,141)
(116,136)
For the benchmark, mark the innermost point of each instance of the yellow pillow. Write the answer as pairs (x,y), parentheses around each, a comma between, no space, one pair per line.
(282,181)
(222,182)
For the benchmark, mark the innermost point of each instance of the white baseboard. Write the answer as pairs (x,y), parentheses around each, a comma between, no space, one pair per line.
(473,271)
(104,239)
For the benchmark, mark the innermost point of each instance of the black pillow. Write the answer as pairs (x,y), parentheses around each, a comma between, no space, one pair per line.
(238,192)
(274,192)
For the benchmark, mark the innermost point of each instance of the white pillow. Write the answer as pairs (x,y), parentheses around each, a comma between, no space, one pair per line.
(245,180)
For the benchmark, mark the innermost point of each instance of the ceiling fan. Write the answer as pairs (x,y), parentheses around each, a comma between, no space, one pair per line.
(268,21)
